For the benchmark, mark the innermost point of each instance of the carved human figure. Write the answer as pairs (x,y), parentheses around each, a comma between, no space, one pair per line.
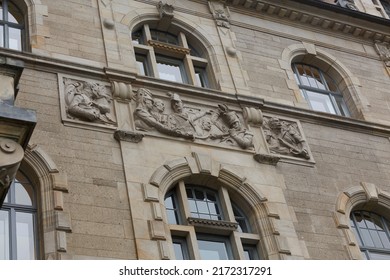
(89,102)
(145,120)
(180,121)
(283,138)
(236,133)
(158,111)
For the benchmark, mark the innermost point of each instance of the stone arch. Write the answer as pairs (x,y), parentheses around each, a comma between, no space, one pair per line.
(175,170)
(366,196)
(51,185)
(348,84)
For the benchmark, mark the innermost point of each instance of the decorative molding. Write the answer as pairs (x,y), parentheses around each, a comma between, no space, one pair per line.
(168,47)
(121,91)
(128,136)
(383,49)
(213,224)
(272,8)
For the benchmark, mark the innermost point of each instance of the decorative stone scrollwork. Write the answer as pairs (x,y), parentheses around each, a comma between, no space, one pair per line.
(350,4)
(219,126)
(284,138)
(88,101)
(220,13)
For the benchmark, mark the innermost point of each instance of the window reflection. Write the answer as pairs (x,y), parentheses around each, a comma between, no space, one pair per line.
(213,249)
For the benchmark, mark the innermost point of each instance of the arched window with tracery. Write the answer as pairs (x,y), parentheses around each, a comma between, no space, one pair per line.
(18,221)
(207,223)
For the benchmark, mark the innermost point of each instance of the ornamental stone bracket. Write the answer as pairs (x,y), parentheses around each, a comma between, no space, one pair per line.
(128,136)
(166,13)
(85,102)
(285,142)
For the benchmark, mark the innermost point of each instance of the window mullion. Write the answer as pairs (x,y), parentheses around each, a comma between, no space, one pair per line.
(12,235)
(237,248)
(183,202)
(152,62)
(227,208)
(190,70)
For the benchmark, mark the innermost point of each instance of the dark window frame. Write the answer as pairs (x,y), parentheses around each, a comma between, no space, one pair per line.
(7,25)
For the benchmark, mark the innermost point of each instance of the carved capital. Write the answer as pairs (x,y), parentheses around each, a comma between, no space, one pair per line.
(253,116)
(220,13)
(128,136)
(121,91)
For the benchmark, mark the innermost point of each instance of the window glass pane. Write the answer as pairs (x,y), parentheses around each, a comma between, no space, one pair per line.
(330,83)
(169,72)
(213,208)
(192,205)
(4,235)
(385,240)
(359,220)
(25,236)
(213,250)
(1,11)
(164,37)
(14,14)
(377,221)
(178,248)
(136,38)
(357,236)
(379,256)
(199,195)
(202,207)
(23,194)
(250,252)
(375,238)
(320,102)
(200,77)
(366,238)
(1,36)
(15,39)
(341,105)
(172,218)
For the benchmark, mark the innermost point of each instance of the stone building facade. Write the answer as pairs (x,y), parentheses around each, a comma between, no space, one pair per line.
(195,129)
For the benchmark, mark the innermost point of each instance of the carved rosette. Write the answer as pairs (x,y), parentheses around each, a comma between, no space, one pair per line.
(87,101)
(219,125)
(285,138)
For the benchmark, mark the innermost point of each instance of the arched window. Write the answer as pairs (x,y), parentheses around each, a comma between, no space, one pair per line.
(18,221)
(12,26)
(206,223)
(172,55)
(373,234)
(319,89)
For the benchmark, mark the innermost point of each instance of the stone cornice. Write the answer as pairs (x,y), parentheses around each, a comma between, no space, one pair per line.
(352,23)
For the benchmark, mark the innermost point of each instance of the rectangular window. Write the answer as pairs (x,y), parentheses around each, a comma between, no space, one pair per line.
(201,77)
(15,39)
(170,69)
(320,102)
(214,248)
(250,252)
(180,248)
(25,236)
(142,65)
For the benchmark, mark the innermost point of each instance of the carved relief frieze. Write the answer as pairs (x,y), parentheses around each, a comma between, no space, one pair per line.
(285,138)
(86,102)
(219,125)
